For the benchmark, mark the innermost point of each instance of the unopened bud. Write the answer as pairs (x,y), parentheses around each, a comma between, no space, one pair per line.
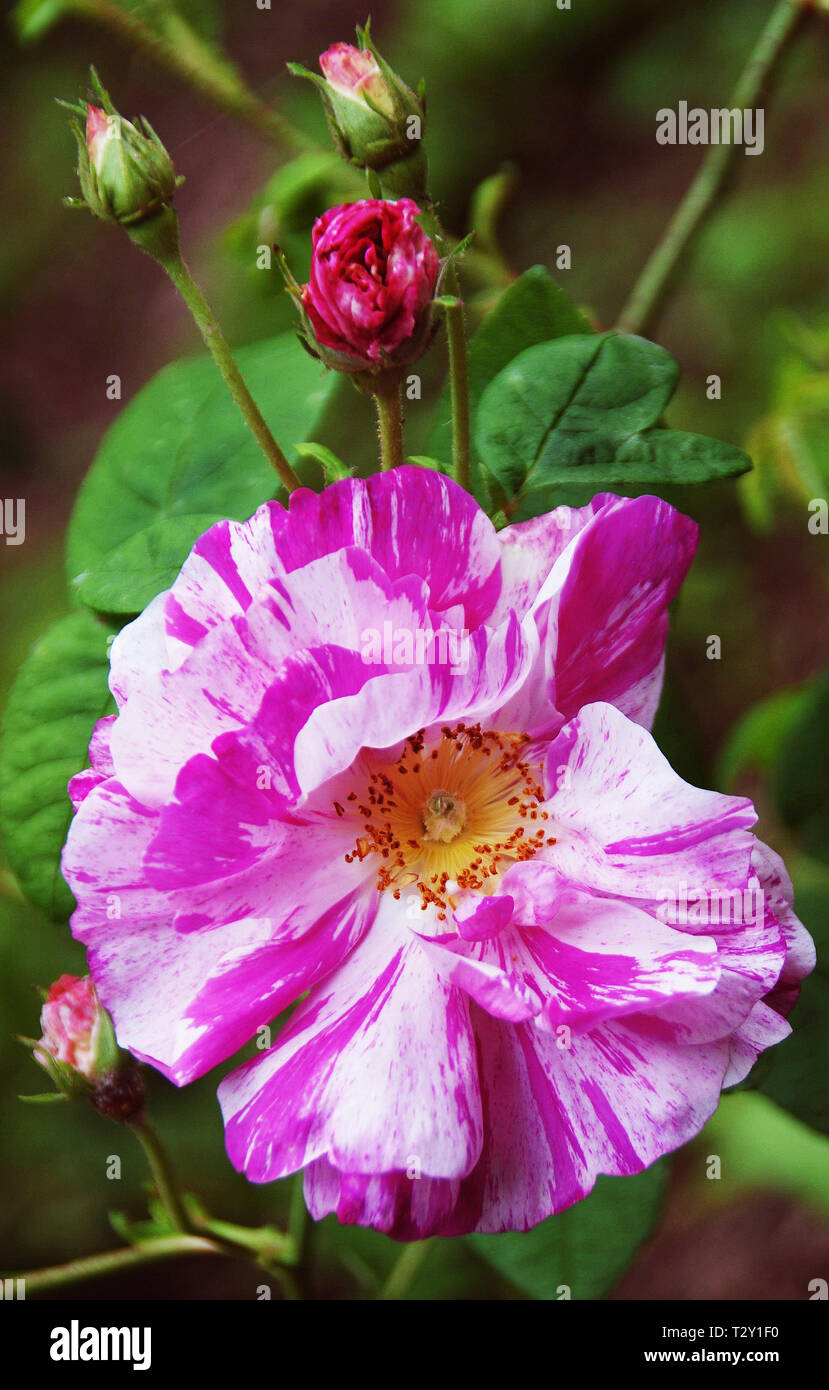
(376,121)
(79,1050)
(125,173)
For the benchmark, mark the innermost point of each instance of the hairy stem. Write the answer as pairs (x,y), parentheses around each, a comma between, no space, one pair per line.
(390,427)
(649,291)
(161,242)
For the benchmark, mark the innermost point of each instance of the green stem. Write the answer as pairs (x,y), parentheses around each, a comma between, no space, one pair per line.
(163,1175)
(180,49)
(116,1261)
(402,1276)
(646,297)
(158,236)
(266,1243)
(390,427)
(459,383)
(298,1218)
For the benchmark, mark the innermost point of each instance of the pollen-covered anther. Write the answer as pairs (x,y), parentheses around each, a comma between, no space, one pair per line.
(453,812)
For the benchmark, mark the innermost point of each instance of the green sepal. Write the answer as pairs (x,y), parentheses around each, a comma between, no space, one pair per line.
(332,466)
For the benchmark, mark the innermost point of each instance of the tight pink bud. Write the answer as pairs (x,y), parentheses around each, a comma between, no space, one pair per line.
(376,121)
(125,173)
(71,1022)
(373,274)
(97,129)
(354,72)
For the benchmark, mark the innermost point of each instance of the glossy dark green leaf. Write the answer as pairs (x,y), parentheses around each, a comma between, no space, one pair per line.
(583,409)
(533,310)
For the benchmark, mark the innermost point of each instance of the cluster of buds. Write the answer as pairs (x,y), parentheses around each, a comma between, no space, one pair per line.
(368,306)
(79,1050)
(376,121)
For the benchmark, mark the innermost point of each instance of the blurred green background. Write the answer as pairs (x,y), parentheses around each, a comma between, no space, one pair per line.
(568,99)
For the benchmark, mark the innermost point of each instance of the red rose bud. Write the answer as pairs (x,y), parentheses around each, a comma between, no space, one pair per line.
(79,1050)
(126,175)
(376,121)
(373,274)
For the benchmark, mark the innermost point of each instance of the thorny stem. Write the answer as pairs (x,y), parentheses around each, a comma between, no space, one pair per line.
(648,293)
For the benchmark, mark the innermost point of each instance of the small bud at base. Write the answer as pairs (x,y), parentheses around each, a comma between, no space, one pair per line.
(70,1019)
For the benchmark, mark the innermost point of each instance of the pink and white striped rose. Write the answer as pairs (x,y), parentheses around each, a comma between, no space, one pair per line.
(463,872)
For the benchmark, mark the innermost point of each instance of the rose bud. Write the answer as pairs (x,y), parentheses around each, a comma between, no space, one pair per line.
(367,304)
(80,1052)
(376,121)
(71,1020)
(126,175)
(353,74)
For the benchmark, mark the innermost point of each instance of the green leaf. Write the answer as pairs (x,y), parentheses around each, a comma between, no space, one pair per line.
(533,310)
(179,458)
(798,1076)
(801,780)
(789,446)
(583,409)
(59,695)
(585,1249)
(754,743)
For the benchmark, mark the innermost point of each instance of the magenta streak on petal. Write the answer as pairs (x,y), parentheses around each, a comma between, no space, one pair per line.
(628,1158)
(182,625)
(560,1135)
(303,1075)
(235,993)
(668,841)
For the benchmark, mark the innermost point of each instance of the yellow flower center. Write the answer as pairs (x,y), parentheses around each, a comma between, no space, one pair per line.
(449,815)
